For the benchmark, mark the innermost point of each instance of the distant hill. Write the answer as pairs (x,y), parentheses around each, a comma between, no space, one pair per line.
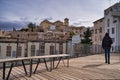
(7,26)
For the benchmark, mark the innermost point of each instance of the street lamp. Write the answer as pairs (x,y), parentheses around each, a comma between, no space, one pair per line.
(55,44)
(17,46)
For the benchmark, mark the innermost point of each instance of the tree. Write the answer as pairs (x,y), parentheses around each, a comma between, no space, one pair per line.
(71,34)
(32,26)
(86,37)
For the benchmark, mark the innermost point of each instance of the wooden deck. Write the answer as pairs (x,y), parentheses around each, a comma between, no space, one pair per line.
(82,68)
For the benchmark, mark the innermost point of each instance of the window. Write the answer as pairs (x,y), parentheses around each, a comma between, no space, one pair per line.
(100,37)
(114,21)
(0,50)
(42,48)
(19,52)
(108,30)
(113,39)
(32,50)
(106,12)
(95,38)
(119,19)
(108,22)
(113,30)
(8,50)
(101,20)
(111,9)
(52,49)
(115,8)
(95,31)
(3,32)
(100,30)
(60,48)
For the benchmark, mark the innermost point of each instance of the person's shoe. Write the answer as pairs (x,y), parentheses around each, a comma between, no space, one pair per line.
(105,61)
(108,62)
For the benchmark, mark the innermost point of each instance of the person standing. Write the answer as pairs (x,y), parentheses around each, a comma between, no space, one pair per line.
(106,45)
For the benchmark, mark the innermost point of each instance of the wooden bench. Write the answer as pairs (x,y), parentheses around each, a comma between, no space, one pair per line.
(50,57)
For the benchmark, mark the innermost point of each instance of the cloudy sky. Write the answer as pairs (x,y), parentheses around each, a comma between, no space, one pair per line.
(79,12)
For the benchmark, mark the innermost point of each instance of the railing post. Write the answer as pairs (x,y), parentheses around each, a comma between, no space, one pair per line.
(3,70)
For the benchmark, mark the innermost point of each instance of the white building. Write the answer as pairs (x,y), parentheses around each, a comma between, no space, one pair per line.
(112,24)
(12,48)
(76,38)
(36,48)
(8,49)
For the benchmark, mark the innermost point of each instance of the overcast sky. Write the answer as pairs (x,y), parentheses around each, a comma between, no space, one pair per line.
(79,12)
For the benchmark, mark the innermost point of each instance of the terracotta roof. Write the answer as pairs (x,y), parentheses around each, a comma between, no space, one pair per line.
(46,21)
(58,21)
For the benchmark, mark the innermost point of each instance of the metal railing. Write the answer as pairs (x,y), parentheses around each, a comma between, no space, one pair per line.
(85,50)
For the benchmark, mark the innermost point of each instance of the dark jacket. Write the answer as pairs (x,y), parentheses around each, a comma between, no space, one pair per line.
(106,42)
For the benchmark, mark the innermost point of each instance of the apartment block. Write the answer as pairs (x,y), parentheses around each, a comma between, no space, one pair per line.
(112,24)
(98,34)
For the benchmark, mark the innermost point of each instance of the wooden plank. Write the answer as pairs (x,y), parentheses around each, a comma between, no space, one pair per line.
(65,76)
(39,77)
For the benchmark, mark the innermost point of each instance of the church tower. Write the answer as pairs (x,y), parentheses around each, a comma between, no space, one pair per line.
(66,22)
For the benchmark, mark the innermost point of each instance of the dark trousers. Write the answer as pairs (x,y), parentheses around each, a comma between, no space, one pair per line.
(107,55)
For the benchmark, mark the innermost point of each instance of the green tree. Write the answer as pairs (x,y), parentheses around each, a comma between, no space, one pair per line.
(86,38)
(71,34)
(32,26)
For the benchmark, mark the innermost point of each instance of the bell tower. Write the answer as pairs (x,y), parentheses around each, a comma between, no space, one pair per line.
(66,22)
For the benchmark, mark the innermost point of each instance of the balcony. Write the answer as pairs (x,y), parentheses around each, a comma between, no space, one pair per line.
(116,14)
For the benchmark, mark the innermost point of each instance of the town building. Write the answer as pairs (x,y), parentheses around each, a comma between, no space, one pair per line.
(26,35)
(9,48)
(98,34)
(56,30)
(14,48)
(3,34)
(48,38)
(112,24)
(58,25)
(99,31)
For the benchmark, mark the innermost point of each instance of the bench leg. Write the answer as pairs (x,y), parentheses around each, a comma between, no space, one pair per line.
(58,62)
(68,61)
(9,71)
(24,67)
(37,65)
(45,64)
(53,63)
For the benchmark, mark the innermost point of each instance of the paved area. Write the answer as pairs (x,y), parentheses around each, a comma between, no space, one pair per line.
(82,68)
